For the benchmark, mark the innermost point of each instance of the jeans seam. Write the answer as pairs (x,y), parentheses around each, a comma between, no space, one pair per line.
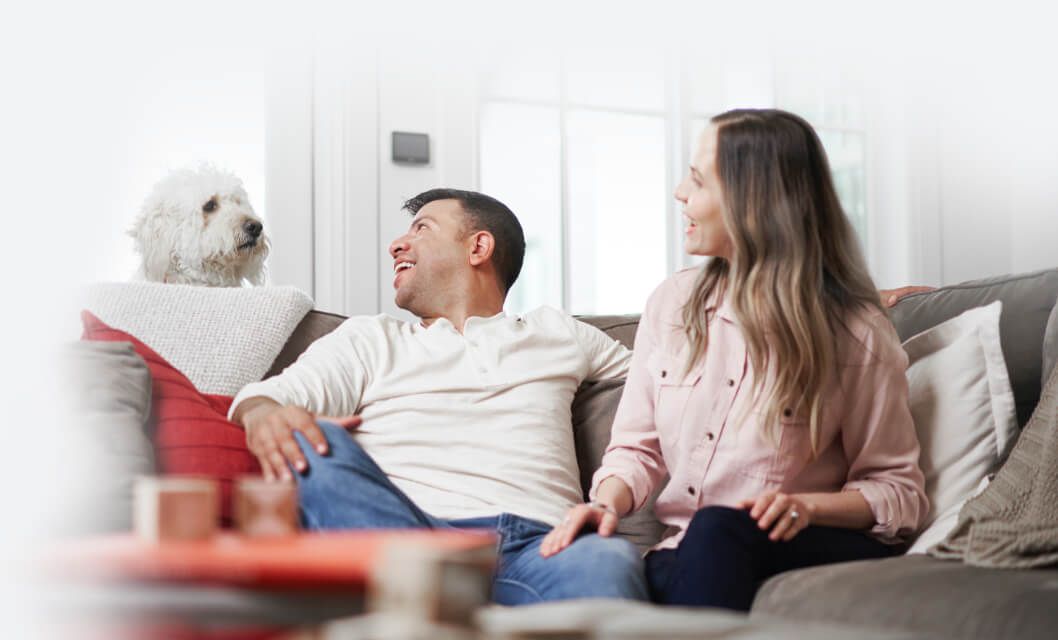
(523,585)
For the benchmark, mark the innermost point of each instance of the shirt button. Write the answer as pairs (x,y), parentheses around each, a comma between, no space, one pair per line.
(663,373)
(709,436)
(730,382)
(690,490)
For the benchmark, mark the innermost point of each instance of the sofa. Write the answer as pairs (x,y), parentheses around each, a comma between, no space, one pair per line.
(913,593)
(909,595)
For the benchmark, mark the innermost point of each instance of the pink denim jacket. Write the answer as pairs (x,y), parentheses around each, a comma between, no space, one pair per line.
(700,429)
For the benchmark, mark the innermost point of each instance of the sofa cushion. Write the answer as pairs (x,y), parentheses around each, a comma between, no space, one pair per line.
(109,387)
(191,434)
(918,593)
(620,328)
(1028,300)
(312,327)
(221,338)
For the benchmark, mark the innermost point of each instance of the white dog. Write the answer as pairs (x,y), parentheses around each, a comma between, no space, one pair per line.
(197,227)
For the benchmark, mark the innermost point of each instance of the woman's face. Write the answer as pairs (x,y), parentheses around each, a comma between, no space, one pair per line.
(705,233)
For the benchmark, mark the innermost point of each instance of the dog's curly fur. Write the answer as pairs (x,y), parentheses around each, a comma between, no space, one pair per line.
(197,227)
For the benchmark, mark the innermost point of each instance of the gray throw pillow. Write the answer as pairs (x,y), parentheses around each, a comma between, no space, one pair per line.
(1050,345)
(109,389)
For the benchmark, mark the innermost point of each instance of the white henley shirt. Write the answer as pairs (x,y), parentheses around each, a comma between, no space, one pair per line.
(467,425)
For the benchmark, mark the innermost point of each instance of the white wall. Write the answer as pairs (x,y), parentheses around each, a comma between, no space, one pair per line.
(335,213)
(952,196)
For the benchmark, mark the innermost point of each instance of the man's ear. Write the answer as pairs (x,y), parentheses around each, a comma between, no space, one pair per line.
(482,244)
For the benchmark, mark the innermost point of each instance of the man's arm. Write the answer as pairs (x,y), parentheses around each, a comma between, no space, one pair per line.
(607,358)
(328,378)
(270,429)
(891,296)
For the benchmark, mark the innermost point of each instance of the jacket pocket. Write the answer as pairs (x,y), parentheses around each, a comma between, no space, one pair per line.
(673,387)
(764,459)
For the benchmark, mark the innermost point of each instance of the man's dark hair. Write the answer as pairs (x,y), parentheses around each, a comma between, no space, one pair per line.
(484,213)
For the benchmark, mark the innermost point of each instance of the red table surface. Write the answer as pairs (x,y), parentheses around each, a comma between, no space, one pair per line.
(320,560)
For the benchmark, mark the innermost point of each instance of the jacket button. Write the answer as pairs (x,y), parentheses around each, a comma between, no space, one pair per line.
(709,435)
(730,382)
(663,373)
(690,490)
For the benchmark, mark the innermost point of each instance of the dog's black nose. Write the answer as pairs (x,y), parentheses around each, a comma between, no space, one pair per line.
(252,228)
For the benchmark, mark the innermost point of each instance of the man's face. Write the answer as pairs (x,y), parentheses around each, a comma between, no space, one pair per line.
(430,259)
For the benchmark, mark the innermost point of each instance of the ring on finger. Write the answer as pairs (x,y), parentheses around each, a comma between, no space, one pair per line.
(794,515)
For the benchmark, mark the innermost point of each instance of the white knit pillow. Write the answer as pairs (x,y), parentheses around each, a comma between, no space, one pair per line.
(963,409)
(221,338)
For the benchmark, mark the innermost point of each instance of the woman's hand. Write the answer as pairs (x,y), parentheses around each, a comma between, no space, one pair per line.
(785,514)
(600,517)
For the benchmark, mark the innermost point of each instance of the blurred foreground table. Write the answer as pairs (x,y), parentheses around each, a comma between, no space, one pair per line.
(236,587)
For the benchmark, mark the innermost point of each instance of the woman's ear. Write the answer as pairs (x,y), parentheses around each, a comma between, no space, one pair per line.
(481,248)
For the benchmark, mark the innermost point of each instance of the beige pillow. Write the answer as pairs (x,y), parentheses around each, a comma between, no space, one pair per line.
(963,408)
(221,338)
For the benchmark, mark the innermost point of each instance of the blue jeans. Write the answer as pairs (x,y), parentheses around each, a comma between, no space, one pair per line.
(346,489)
(724,557)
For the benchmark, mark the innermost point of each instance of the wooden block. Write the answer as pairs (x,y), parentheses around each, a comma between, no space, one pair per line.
(266,509)
(175,508)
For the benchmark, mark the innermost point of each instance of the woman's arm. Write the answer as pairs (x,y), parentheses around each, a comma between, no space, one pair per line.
(614,494)
(878,436)
(613,500)
(634,453)
(787,514)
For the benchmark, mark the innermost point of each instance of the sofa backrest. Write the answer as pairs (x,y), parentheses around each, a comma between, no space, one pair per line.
(1027,340)
(1029,337)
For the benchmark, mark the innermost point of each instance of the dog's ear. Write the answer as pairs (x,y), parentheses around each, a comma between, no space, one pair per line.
(153,246)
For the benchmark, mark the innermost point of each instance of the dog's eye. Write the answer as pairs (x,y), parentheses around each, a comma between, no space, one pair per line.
(210,206)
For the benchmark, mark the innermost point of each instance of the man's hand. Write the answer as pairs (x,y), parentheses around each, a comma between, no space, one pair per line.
(891,296)
(783,513)
(270,431)
(600,517)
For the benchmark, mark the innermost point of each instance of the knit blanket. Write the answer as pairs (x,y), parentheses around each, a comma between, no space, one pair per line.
(221,338)
(1014,522)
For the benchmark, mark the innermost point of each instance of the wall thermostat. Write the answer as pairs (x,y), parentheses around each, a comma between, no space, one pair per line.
(411,148)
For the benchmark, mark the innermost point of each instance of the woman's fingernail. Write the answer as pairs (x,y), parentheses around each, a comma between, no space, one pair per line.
(321,448)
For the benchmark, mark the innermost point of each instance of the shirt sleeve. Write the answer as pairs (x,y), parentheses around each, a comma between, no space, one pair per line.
(607,358)
(634,453)
(327,379)
(879,438)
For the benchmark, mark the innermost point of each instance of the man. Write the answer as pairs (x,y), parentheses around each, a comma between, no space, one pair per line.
(462,419)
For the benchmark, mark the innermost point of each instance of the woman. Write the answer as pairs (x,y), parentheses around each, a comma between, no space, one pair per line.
(768,384)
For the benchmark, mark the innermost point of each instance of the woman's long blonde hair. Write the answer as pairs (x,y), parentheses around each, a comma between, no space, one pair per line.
(795,270)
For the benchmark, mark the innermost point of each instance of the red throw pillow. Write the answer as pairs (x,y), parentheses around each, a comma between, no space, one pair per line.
(192,434)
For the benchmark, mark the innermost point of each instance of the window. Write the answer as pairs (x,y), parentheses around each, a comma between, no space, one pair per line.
(587,150)
(578,150)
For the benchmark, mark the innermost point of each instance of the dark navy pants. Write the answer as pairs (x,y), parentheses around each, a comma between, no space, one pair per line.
(725,557)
